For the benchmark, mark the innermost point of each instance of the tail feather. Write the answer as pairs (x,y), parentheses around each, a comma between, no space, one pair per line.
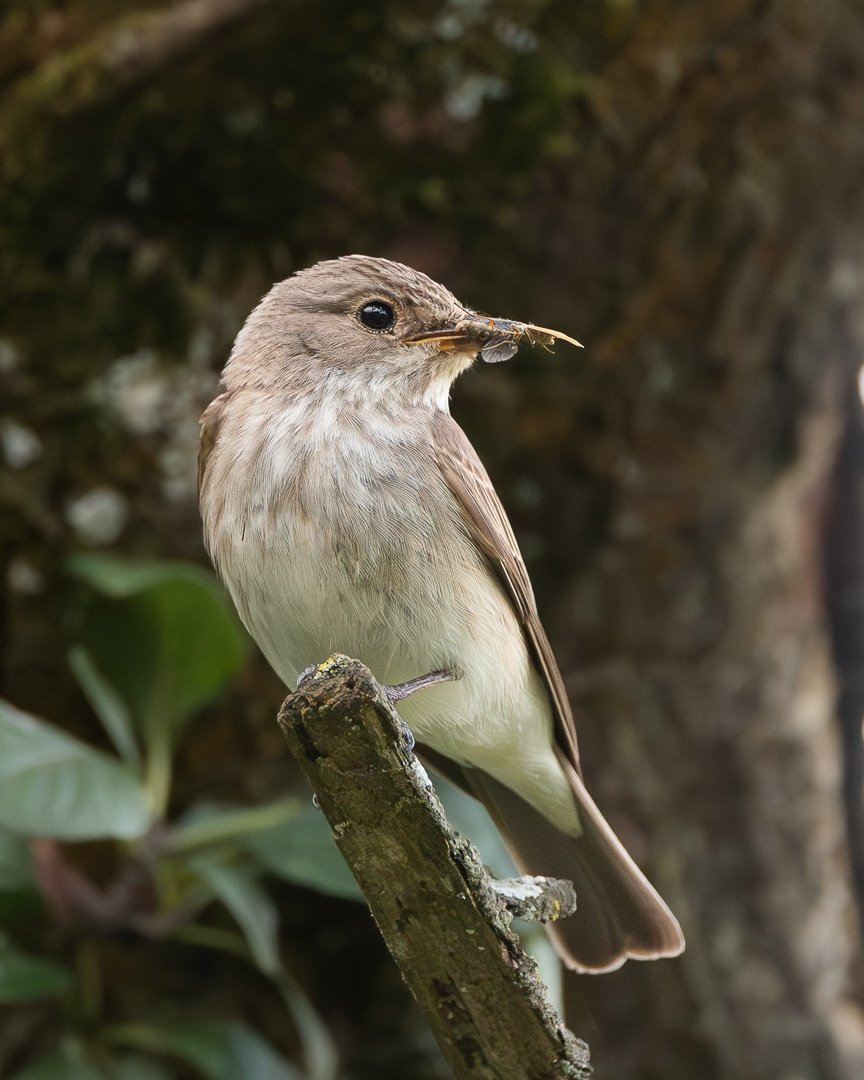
(619,913)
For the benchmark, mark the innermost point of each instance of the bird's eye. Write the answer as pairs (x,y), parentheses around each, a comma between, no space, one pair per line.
(377,315)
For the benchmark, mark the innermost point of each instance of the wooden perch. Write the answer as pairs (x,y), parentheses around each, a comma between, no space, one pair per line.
(445,923)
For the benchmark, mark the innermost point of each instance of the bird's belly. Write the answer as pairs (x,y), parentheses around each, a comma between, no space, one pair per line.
(406,593)
(402,611)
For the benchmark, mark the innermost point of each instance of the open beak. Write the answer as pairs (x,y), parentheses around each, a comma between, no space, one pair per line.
(493,340)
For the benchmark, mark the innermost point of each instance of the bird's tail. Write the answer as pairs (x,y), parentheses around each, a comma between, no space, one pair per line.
(619,914)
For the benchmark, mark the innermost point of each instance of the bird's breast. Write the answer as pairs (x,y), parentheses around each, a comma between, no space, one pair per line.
(339,533)
(344,537)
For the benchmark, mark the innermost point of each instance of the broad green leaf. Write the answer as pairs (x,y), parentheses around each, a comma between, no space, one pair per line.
(226,1051)
(162,634)
(116,576)
(28,978)
(54,785)
(210,826)
(106,703)
(303,851)
(252,908)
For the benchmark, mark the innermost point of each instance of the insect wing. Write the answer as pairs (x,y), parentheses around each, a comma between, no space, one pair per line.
(498,349)
(539,337)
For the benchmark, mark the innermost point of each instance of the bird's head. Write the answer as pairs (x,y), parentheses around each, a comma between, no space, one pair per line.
(371,327)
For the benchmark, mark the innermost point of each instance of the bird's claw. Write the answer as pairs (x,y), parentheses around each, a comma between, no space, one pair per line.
(305,674)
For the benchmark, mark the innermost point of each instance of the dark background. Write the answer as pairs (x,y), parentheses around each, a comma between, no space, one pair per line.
(681,187)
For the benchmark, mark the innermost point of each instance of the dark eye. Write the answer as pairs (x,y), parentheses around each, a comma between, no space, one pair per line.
(377,315)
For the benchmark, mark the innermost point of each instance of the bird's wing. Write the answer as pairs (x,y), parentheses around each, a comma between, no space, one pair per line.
(488,524)
(211,422)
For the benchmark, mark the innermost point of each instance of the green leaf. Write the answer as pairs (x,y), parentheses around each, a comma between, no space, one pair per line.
(252,908)
(210,826)
(165,638)
(116,576)
(162,634)
(54,785)
(227,1051)
(28,978)
(106,703)
(303,851)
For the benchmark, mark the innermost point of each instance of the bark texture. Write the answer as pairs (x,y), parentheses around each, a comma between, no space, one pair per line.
(427,889)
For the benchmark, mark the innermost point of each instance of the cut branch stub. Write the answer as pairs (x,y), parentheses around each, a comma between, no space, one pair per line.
(442,920)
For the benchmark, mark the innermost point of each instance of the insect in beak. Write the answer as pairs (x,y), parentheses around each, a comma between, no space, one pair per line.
(507,335)
(493,339)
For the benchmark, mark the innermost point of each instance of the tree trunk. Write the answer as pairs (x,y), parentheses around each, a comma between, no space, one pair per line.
(694,627)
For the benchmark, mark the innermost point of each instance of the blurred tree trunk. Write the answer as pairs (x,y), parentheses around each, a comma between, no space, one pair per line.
(721,255)
(679,185)
(844,578)
(732,257)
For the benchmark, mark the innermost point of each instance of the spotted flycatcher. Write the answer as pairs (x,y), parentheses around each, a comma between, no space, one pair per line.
(346,511)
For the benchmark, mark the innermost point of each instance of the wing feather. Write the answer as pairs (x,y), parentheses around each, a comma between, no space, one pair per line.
(211,422)
(488,524)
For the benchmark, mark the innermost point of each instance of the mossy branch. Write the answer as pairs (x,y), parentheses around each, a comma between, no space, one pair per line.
(445,923)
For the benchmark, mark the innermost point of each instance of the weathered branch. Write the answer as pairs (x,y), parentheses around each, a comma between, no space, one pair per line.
(537,899)
(443,921)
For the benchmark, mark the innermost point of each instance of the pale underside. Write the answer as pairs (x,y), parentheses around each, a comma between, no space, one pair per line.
(342,550)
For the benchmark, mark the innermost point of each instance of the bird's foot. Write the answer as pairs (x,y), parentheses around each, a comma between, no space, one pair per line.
(404,689)
(407,736)
(305,674)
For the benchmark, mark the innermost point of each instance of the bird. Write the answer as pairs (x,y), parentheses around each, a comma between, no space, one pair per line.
(347,512)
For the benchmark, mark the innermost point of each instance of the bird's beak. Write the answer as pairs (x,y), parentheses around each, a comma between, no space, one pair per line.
(493,340)
(477,334)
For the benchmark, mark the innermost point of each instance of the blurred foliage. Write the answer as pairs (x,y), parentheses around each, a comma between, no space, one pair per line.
(154,643)
(140,632)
